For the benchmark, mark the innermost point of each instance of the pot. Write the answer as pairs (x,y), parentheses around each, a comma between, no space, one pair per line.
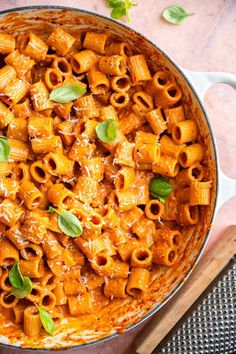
(42,20)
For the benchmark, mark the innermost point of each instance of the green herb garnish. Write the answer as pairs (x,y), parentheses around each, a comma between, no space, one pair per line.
(67,93)
(21,285)
(68,223)
(107,130)
(4,149)
(160,188)
(51,210)
(121,8)
(175,14)
(46,320)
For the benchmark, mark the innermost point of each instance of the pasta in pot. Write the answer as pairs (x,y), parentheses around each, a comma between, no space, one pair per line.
(91,159)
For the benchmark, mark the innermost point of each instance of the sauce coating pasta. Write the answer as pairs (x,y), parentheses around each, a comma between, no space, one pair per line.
(59,160)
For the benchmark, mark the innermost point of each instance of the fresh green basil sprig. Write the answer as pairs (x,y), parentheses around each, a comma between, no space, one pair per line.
(21,285)
(175,14)
(5,149)
(46,320)
(121,8)
(67,93)
(68,223)
(107,130)
(160,188)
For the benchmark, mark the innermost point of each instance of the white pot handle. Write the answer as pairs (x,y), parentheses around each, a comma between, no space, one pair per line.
(202,81)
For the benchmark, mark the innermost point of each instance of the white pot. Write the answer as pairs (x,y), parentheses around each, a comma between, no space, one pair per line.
(194,86)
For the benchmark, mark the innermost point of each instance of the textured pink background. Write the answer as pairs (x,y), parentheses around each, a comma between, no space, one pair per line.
(204,42)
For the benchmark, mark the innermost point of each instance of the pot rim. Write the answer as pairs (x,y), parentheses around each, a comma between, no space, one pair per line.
(200,103)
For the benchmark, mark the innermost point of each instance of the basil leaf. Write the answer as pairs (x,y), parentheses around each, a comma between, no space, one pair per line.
(114,3)
(120,8)
(66,93)
(107,130)
(111,129)
(160,188)
(118,13)
(5,149)
(26,289)
(15,277)
(69,224)
(162,200)
(175,14)
(46,320)
(51,210)
(21,286)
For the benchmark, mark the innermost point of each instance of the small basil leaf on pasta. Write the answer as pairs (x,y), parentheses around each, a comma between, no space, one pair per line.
(46,320)
(175,14)
(111,129)
(51,210)
(26,289)
(121,8)
(162,200)
(67,93)
(21,286)
(69,224)
(4,149)
(107,130)
(160,188)
(15,277)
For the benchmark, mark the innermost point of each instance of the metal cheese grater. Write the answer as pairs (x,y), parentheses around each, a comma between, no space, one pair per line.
(209,327)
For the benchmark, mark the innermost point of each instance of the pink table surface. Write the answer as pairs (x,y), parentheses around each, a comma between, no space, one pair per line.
(204,42)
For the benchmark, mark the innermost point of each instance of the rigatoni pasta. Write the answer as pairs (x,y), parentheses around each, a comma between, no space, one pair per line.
(7,43)
(96,190)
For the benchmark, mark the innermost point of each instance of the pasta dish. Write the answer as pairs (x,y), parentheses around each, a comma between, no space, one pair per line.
(101,173)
